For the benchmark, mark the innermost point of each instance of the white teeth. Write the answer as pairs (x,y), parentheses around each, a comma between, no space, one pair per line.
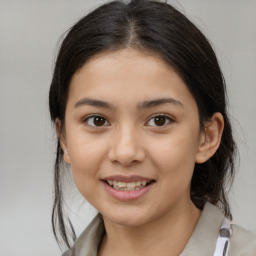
(138,183)
(110,182)
(127,186)
(131,185)
(121,184)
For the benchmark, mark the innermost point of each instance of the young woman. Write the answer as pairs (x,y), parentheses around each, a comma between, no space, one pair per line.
(138,100)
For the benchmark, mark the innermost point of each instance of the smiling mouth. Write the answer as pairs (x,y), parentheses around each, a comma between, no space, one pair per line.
(128,186)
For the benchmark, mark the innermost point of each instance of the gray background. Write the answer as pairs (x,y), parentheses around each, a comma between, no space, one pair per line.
(29,32)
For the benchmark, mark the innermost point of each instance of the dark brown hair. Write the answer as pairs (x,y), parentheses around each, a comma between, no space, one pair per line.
(160,28)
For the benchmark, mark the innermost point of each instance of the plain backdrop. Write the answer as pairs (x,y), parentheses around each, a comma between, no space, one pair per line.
(29,35)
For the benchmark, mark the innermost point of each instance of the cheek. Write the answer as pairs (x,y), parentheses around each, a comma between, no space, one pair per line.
(84,149)
(86,157)
(174,160)
(175,156)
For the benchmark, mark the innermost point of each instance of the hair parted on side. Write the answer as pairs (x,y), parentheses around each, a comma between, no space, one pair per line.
(159,28)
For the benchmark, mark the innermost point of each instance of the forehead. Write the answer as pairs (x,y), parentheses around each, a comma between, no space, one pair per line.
(113,64)
(128,75)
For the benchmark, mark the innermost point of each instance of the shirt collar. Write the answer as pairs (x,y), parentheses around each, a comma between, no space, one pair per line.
(204,238)
(88,242)
(201,243)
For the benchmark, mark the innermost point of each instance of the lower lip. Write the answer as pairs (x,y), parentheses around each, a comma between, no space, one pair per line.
(127,195)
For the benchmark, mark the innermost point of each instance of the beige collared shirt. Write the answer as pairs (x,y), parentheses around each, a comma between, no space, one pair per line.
(202,242)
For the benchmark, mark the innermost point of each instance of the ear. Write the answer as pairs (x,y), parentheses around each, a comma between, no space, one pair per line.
(210,138)
(62,140)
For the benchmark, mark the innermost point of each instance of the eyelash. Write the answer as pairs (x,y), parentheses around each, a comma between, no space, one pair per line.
(167,120)
(93,117)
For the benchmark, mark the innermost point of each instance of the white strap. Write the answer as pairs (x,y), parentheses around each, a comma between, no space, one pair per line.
(223,241)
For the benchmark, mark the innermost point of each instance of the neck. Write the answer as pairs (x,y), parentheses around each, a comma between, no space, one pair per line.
(167,235)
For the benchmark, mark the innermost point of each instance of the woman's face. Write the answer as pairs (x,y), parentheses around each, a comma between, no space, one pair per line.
(132,136)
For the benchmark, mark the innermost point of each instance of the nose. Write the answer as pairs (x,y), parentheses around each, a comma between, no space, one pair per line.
(126,148)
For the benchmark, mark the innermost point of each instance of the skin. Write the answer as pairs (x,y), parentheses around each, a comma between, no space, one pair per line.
(130,142)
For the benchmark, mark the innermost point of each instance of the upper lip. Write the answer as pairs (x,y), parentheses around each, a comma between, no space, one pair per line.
(127,178)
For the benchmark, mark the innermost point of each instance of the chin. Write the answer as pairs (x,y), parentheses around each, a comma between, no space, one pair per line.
(125,217)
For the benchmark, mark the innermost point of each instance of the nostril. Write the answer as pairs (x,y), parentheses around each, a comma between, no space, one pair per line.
(126,157)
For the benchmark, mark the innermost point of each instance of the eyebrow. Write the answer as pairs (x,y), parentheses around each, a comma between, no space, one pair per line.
(157,102)
(94,103)
(143,105)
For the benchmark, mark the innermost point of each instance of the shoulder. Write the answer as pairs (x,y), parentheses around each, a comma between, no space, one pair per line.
(204,238)
(243,242)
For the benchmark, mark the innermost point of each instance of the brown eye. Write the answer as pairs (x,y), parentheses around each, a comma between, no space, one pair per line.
(159,120)
(99,121)
(96,121)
